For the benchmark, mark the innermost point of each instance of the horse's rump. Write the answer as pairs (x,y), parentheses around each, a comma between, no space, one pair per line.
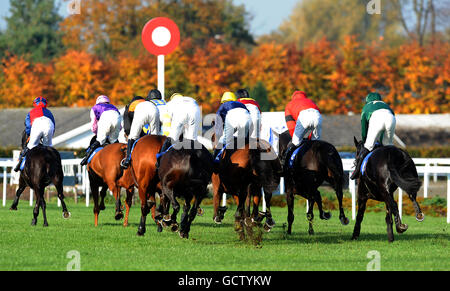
(402,169)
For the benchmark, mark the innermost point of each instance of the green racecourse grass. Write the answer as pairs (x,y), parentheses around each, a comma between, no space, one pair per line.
(110,246)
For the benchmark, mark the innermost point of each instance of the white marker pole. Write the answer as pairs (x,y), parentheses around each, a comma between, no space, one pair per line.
(161,75)
(224,199)
(263,196)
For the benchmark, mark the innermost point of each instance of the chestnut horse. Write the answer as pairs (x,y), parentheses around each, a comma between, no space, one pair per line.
(42,167)
(320,162)
(105,172)
(185,171)
(145,177)
(242,173)
(386,169)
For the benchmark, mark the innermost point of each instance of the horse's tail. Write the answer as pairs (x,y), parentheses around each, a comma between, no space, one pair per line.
(403,172)
(333,162)
(265,166)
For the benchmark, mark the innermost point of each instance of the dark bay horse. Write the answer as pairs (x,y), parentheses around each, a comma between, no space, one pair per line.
(242,173)
(105,172)
(320,162)
(145,177)
(185,171)
(387,169)
(42,168)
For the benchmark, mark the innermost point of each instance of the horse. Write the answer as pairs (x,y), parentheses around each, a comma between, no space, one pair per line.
(42,167)
(386,169)
(104,171)
(185,171)
(320,162)
(144,173)
(242,173)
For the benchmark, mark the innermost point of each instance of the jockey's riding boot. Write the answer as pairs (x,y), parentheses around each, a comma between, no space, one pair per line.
(167,143)
(89,151)
(359,161)
(287,155)
(125,163)
(22,155)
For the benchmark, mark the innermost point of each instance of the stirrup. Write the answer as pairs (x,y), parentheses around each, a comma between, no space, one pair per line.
(123,165)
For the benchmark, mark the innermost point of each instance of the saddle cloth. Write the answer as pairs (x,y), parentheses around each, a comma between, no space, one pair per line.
(94,153)
(158,155)
(301,150)
(364,163)
(22,165)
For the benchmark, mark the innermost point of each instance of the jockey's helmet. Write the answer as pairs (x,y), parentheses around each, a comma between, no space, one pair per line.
(102,99)
(154,94)
(242,93)
(228,96)
(175,95)
(40,101)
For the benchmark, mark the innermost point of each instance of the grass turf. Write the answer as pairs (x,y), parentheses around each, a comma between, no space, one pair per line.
(110,246)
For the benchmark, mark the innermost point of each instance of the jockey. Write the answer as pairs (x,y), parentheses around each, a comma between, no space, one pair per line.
(185,118)
(302,115)
(144,112)
(105,123)
(232,117)
(377,125)
(254,109)
(155,97)
(39,124)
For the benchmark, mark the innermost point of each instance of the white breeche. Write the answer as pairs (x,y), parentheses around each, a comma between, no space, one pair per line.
(255,116)
(42,128)
(383,122)
(109,126)
(308,120)
(237,123)
(186,120)
(145,113)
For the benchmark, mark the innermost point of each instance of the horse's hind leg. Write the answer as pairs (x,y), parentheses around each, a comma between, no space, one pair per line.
(270,223)
(393,208)
(58,182)
(318,199)
(128,202)
(310,215)
(44,208)
(362,200)
(344,220)
(290,205)
(389,223)
(36,209)
(22,186)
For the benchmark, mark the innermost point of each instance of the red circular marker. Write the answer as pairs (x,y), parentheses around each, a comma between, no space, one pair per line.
(160,36)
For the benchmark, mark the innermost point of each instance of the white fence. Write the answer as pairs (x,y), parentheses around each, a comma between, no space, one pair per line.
(425,168)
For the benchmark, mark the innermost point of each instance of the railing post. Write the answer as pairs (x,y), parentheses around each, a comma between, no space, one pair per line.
(425,181)
(448,198)
(352,188)
(5,173)
(400,202)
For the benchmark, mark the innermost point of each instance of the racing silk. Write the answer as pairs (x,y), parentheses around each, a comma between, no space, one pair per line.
(298,103)
(35,113)
(96,113)
(251,101)
(373,103)
(227,107)
(128,115)
(165,118)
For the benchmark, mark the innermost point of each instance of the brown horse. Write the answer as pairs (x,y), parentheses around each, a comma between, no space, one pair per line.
(242,173)
(105,172)
(185,171)
(143,171)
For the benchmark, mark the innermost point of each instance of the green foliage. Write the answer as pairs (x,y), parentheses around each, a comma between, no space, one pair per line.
(259,93)
(32,30)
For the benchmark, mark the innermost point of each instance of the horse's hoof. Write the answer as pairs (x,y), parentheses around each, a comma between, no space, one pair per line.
(344,220)
(217,220)
(33,222)
(174,227)
(159,228)
(326,216)
(102,207)
(46,224)
(402,228)
(140,233)
(66,215)
(248,222)
(118,216)
(354,237)
(420,217)
(268,227)
(311,231)
(184,235)
(13,208)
